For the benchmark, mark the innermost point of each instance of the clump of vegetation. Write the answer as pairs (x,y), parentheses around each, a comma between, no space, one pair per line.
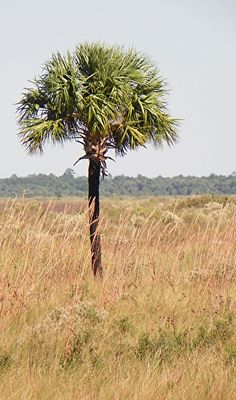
(5,361)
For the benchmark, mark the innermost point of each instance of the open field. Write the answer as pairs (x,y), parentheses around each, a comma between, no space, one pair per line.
(161,323)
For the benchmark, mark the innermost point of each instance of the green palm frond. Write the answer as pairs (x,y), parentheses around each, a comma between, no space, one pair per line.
(36,131)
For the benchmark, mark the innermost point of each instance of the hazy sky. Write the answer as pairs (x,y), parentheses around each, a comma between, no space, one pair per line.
(193,43)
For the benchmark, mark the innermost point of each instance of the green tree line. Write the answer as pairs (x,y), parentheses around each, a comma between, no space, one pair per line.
(67,185)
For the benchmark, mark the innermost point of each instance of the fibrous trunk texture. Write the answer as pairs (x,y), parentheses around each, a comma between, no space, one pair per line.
(93,199)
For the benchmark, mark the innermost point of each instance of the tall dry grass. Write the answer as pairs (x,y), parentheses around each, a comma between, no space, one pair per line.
(161,323)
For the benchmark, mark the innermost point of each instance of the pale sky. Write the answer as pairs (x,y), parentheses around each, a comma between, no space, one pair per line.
(193,44)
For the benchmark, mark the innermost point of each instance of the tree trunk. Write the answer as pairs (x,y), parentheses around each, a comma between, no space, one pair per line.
(93,200)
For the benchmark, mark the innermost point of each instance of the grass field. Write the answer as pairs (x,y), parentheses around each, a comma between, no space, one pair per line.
(161,323)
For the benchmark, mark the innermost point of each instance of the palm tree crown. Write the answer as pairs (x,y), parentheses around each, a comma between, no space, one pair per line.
(104,97)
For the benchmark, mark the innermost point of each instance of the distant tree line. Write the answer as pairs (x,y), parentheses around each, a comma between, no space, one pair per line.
(68,185)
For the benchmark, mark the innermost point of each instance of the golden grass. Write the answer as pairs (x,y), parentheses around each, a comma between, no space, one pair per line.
(161,323)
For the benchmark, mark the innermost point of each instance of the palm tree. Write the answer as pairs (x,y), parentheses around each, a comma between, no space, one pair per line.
(103,97)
